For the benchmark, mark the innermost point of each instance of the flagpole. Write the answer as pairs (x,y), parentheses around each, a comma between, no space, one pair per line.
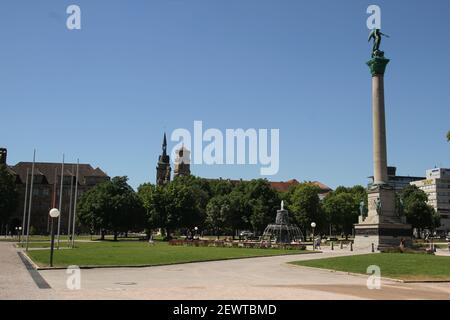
(25,206)
(31,198)
(69,225)
(60,201)
(75,205)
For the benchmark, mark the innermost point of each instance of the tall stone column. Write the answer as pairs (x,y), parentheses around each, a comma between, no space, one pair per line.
(377,67)
(382,227)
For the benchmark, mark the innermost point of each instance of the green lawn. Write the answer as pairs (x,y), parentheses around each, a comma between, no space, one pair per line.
(46,244)
(393,265)
(135,253)
(65,237)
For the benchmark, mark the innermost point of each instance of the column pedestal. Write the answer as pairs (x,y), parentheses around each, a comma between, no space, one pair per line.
(382,226)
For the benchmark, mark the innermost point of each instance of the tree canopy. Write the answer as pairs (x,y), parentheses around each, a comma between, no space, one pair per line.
(304,204)
(179,205)
(414,206)
(218,213)
(8,194)
(342,207)
(262,201)
(111,206)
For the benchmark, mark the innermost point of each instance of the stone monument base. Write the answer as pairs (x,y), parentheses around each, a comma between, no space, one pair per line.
(382,227)
(382,236)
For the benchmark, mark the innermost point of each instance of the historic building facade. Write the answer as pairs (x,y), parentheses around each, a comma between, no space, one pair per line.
(3,154)
(182,162)
(47,188)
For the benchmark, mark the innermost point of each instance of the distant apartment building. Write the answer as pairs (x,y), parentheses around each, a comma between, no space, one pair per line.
(437,187)
(398,182)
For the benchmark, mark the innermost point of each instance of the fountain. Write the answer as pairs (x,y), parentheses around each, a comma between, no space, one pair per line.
(282,231)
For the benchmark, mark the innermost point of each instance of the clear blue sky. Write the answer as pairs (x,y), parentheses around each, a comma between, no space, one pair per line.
(106,93)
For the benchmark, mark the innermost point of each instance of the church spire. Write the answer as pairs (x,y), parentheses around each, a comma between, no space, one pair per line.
(163,168)
(164,145)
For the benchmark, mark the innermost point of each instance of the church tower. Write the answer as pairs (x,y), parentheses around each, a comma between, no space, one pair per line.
(163,169)
(3,154)
(182,162)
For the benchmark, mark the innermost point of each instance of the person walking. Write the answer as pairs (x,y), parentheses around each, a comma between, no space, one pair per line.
(318,241)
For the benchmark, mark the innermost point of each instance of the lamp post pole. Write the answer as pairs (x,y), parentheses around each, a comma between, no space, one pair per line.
(54,213)
(74,217)
(52,246)
(313,225)
(25,206)
(60,201)
(31,198)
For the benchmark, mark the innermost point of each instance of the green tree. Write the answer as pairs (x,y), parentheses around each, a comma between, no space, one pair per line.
(341,210)
(90,209)
(239,218)
(8,194)
(221,187)
(448,136)
(195,194)
(418,213)
(436,220)
(183,210)
(155,202)
(128,213)
(261,201)
(179,205)
(359,193)
(111,206)
(304,203)
(342,207)
(218,213)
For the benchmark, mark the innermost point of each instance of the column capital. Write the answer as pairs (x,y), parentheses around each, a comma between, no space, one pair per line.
(377,65)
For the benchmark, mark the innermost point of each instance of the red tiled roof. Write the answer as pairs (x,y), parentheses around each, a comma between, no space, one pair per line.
(47,169)
(282,186)
(323,187)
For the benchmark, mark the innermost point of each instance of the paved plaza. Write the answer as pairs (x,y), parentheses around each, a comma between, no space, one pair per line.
(254,278)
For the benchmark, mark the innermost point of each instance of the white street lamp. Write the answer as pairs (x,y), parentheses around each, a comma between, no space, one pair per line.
(54,214)
(20,230)
(313,225)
